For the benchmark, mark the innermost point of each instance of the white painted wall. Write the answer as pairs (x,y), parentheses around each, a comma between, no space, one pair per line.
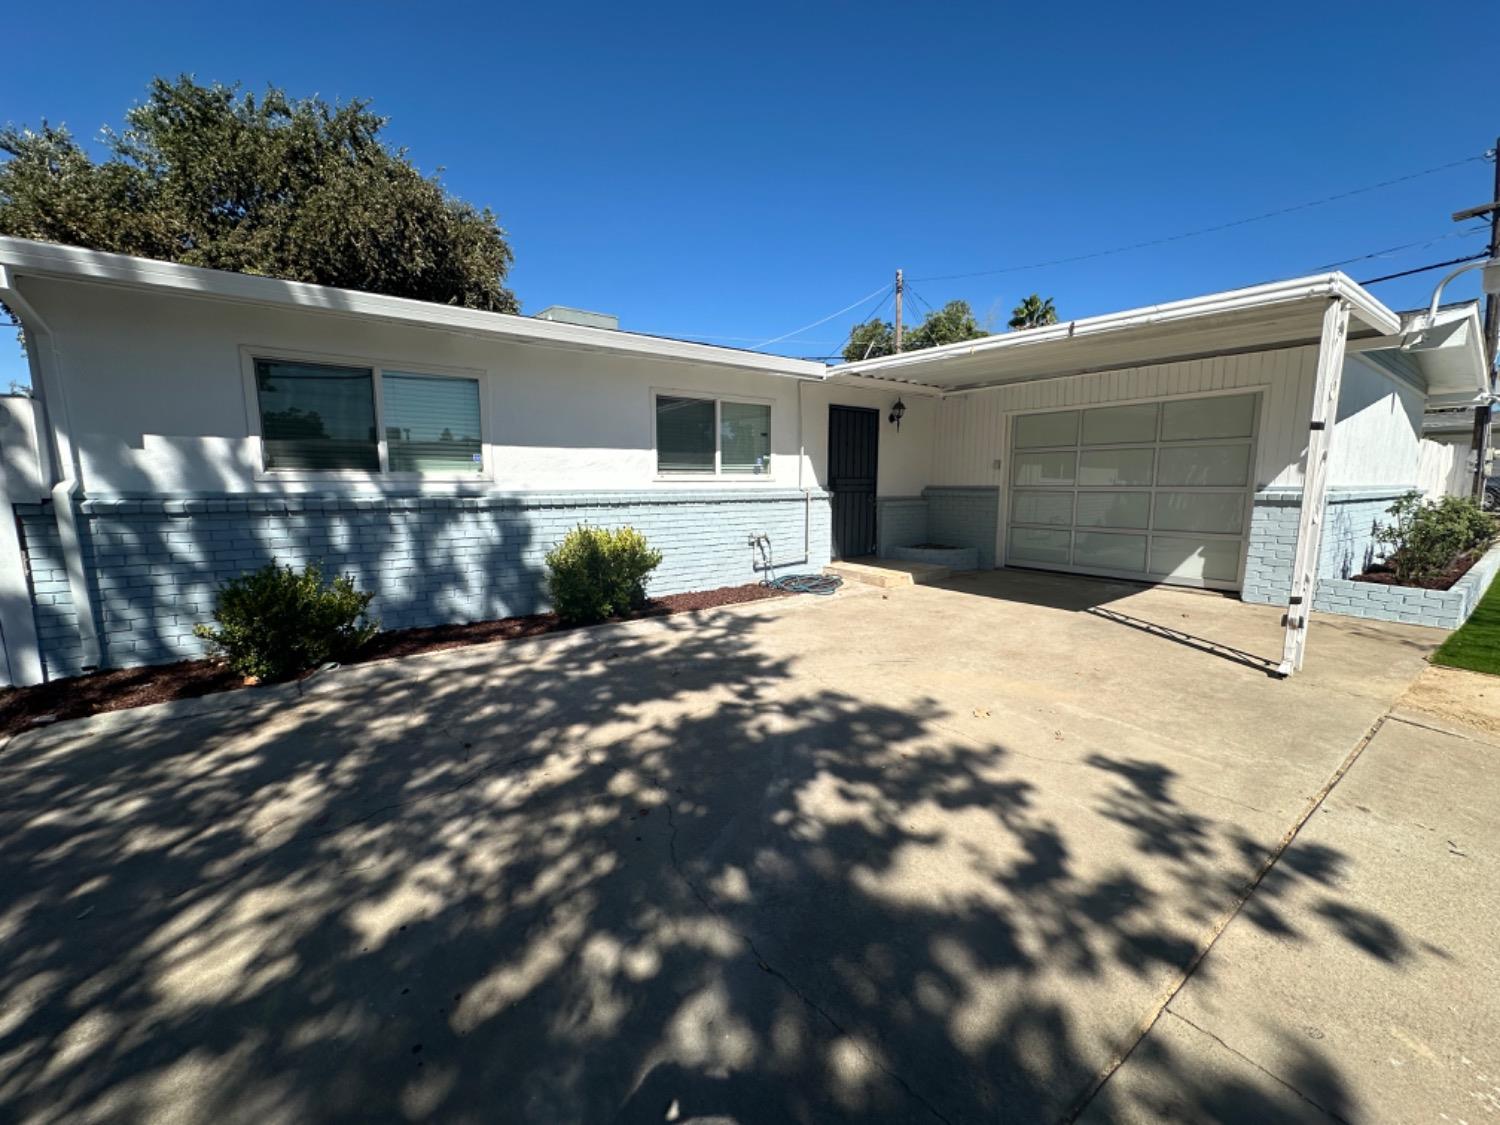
(156,391)
(904,458)
(1445,465)
(1378,429)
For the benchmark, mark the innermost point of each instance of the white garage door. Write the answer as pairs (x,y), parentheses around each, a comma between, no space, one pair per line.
(1158,491)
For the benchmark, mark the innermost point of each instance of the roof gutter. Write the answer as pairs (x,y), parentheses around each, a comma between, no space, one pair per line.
(1333,285)
(64,468)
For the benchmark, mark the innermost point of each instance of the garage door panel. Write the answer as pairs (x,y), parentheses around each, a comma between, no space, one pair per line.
(1225,466)
(1042,507)
(1115,466)
(1196,560)
(1045,468)
(1215,512)
(1114,509)
(1100,550)
(1029,544)
(1152,490)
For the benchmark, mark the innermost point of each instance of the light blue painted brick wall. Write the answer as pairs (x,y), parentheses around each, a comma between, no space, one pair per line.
(154,565)
(900,521)
(1348,545)
(964,517)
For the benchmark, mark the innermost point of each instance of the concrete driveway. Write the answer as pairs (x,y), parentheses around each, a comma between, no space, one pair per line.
(932,854)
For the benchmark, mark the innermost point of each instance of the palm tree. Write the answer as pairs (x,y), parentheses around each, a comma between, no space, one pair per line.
(1033,312)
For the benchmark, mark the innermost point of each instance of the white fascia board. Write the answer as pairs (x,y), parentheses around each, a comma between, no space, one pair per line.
(47,259)
(1363,306)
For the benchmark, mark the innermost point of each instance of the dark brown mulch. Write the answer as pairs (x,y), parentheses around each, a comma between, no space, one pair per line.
(121,688)
(1382,575)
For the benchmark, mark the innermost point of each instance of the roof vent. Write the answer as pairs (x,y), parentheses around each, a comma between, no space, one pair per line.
(564,315)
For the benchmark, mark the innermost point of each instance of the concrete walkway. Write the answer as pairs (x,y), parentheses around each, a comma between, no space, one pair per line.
(929,854)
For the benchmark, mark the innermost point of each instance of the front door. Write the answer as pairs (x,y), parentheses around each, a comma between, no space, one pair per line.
(853,441)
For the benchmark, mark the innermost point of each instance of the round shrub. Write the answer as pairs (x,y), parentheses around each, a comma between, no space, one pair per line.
(596,573)
(275,622)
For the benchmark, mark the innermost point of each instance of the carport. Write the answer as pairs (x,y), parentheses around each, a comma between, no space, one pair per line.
(1137,444)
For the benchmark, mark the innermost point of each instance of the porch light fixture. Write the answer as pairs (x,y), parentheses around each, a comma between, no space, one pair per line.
(897,413)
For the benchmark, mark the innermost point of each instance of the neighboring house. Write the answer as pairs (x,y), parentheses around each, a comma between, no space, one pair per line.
(190,425)
(1448,454)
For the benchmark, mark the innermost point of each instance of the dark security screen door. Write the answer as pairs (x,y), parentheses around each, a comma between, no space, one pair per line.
(853,437)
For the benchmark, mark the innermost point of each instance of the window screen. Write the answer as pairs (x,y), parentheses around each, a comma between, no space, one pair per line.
(684,434)
(316,416)
(744,437)
(431,424)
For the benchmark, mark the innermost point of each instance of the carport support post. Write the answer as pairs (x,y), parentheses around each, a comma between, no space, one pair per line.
(1315,483)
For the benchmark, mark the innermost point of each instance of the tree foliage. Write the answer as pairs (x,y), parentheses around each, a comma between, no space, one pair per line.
(296,189)
(1033,312)
(950,324)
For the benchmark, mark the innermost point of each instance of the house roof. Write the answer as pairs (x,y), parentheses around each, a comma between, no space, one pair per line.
(23,258)
(1277,315)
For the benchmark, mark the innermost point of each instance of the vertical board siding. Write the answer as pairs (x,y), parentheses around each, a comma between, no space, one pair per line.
(971,434)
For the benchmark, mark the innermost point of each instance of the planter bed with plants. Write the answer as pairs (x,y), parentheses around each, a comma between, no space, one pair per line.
(278,624)
(1438,563)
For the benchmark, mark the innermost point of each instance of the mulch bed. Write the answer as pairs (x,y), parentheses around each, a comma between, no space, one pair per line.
(1382,575)
(121,688)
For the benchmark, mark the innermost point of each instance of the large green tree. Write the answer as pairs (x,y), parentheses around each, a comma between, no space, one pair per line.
(950,324)
(296,189)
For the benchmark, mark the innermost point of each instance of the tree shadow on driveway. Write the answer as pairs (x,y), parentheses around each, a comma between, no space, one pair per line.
(637,874)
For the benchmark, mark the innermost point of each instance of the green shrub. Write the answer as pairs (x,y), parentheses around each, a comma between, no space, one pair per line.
(1425,539)
(595,573)
(274,622)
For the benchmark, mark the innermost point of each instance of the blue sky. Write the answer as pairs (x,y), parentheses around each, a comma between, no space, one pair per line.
(734,172)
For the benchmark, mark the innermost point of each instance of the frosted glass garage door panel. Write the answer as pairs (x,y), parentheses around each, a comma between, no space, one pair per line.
(1221,512)
(1223,466)
(1119,425)
(1042,507)
(1191,419)
(1045,468)
(1115,466)
(1027,544)
(1213,560)
(1114,509)
(1035,431)
(1109,552)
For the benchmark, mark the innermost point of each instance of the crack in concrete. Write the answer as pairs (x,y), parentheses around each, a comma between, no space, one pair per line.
(1269,1074)
(786,981)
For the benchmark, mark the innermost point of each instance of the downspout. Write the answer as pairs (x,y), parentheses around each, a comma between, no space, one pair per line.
(65,466)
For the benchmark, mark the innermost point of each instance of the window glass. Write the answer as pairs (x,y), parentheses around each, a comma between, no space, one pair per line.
(1115,466)
(1211,559)
(1109,552)
(1044,468)
(1042,507)
(1114,509)
(316,416)
(744,437)
(1222,512)
(431,424)
(1034,431)
(1222,465)
(1029,544)
(1119,424)
(684,434)
(1221,417)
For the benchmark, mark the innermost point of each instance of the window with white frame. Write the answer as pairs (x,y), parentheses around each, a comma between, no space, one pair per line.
(323,417)
(700,436)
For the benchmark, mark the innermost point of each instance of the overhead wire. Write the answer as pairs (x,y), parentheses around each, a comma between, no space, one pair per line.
(825,319)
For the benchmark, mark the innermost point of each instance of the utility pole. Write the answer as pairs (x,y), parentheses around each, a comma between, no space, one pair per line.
(900,288)
(1491,327)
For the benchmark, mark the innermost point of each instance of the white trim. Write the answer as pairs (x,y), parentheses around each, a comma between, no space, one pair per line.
(47,259)
(718,476)
(249,353)
(1279,293)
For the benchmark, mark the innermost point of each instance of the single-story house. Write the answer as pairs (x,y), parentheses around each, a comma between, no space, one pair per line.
(189,425)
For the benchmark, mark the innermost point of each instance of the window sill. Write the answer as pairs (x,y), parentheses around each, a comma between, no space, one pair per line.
(714,478)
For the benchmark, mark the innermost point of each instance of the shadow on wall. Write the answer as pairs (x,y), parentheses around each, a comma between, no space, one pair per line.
(613,876)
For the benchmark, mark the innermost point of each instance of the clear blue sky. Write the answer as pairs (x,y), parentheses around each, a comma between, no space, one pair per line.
(735,171)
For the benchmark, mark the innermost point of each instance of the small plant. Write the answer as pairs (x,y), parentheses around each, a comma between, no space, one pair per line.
(276,622)
(1425,539)
(595,573)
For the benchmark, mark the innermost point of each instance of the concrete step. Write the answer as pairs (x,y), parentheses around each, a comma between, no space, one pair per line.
(887,573)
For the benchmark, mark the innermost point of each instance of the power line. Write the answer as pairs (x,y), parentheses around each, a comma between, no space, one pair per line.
(1427,269)
(823,320)
(1404,246)
(869,316)
(1211,229)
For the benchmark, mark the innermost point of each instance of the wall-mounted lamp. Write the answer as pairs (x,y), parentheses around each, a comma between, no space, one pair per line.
(897,413)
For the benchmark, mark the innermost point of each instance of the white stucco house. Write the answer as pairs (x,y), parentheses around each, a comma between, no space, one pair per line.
(189,425)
